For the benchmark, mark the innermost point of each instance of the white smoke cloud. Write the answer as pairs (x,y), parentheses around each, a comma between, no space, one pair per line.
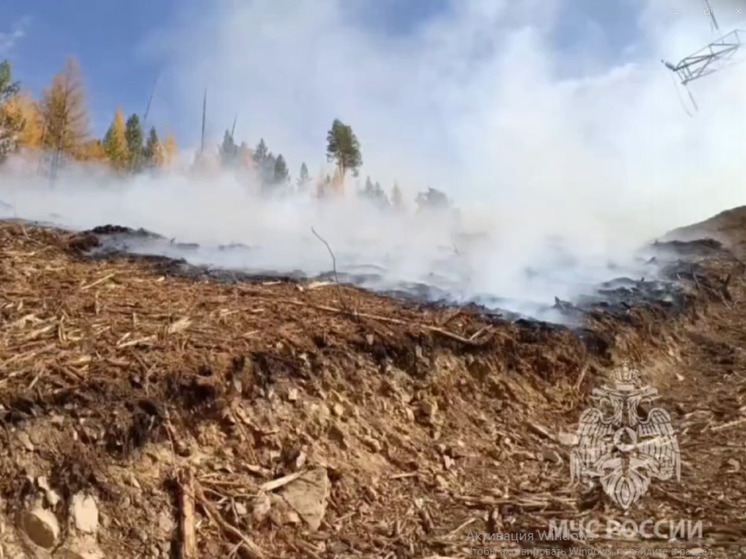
(478,101)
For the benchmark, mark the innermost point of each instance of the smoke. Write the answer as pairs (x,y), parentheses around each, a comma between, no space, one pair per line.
(541,119)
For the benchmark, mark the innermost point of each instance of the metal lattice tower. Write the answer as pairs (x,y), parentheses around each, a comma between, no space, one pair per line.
(713,57)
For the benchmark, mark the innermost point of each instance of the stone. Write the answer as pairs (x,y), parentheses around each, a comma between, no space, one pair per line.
(567,439)
(336,434)
(262,506)
(166,524)
(41,527)
(429,407)
(25,441)
(81,548)
(84,512)
(293,395)
(307,496)
(551,455)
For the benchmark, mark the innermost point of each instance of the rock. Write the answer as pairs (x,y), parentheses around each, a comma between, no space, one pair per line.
(292,395)
(241,509)
(41,527)
(372,444)
(300,460)
(338,410)
(166,524)
(337,435)
(52,497)
(733,465)
(81,548)
(567,439)
(551,455)
(307,496)
(429,407)
(84,512)
(262,506)
(25,441)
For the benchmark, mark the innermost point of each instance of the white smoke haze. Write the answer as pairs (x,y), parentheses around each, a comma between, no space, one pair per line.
(529,140)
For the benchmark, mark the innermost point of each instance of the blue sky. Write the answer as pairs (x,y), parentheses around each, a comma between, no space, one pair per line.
(110,39)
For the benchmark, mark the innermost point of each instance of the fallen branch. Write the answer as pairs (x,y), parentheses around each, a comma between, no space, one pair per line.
(279,482)
(98,281)
(247,547)
(188,538)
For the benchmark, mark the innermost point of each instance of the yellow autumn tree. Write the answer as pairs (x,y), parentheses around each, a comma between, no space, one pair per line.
(93,150)
(169,150)
(24,112)
(115,143)
(64,116)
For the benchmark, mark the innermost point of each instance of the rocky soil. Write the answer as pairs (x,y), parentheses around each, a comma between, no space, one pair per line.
(153,412)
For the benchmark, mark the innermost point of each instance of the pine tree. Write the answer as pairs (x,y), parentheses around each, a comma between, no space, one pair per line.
(153,152)
(63,112)
(245,157)
(11,122)
(343,147)
(432,199)
(228,151)
(304,179)
(134,136)
(115,143)
(396,197)
(8,88)
(281,173)
(260,153)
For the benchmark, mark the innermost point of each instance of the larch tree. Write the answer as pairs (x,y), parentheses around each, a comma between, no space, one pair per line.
(135,142)
(169,150)
(63,110)
(92,150)
(115,143)
(343,148)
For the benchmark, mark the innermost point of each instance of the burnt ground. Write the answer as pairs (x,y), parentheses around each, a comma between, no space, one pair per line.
(310,419)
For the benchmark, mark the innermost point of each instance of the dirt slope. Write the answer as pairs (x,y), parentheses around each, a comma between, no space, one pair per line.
(311,420)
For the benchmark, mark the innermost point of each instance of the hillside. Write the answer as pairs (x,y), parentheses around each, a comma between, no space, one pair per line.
(143,407)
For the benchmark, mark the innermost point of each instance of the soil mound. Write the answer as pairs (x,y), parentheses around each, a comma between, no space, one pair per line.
(152,411)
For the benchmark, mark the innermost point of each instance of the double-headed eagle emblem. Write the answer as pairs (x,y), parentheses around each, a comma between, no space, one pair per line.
(621,449)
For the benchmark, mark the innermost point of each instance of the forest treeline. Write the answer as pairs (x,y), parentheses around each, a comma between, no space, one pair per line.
(56,129)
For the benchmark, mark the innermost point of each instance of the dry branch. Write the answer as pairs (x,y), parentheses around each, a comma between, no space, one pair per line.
(188,540)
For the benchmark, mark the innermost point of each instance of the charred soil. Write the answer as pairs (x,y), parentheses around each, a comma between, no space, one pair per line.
(288,418)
